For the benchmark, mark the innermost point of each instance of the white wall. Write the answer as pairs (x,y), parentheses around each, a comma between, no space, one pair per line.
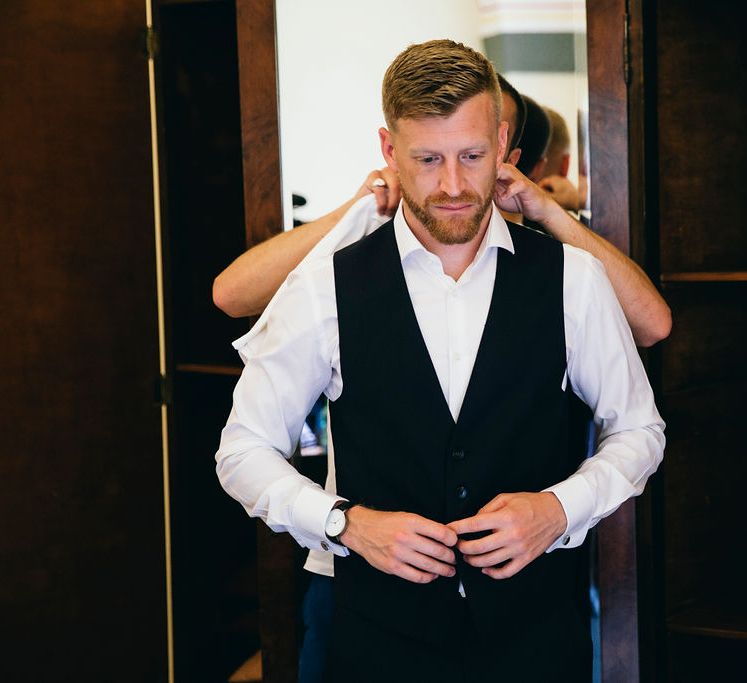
(332,55)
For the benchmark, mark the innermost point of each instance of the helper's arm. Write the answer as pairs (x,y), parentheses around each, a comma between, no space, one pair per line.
(248,284)
(646,311)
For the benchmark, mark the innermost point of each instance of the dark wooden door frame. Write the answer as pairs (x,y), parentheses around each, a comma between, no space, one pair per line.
(616,141)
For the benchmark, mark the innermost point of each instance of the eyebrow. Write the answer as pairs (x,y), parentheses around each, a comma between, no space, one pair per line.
(425,151)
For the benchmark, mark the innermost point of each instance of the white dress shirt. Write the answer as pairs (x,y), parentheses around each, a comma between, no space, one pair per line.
(292,355)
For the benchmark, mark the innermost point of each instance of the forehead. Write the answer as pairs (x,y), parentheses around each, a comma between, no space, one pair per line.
(471,124)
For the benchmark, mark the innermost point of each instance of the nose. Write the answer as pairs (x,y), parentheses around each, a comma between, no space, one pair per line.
(451,180)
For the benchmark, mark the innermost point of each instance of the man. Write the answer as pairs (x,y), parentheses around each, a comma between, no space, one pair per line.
(458,337)
(554,177)
(558,152)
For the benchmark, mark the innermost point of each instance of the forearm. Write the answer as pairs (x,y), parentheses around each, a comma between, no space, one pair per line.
(270,488)
(248,284)
(618,471)
(646,311)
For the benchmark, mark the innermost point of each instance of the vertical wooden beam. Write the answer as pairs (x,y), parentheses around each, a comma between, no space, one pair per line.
(255,23)
(610,205)
(260,142)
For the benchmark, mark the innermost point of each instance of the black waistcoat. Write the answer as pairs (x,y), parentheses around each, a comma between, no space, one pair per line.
(398,448)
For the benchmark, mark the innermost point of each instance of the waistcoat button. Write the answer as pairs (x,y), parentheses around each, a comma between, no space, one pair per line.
(461,492)
(457,455)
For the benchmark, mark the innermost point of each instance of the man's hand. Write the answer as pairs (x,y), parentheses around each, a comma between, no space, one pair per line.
(562,190)
(515,193)
(523,526)
(387,195)
(401,543)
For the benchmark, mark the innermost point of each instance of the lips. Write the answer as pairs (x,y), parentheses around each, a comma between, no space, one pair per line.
(452,207)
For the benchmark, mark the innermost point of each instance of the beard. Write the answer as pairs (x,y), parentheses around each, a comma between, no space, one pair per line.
(456,230)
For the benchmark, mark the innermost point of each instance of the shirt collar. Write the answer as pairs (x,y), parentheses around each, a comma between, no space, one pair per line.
(497,235)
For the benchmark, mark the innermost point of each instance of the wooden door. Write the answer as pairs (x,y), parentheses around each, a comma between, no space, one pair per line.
(82,582)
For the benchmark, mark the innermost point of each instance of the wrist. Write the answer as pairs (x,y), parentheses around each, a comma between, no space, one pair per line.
(353,515)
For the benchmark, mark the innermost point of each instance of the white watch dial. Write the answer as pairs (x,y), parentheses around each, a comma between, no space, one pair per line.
(335,523)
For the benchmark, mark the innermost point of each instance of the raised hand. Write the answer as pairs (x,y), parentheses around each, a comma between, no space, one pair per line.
(401,543)
(562,190)
(384,184)
(515,193)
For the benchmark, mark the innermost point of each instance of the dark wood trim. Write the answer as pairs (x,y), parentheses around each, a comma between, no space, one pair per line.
(277,554)
(736,276)
(609,134)
(713,621)
(255,22)
(204,369)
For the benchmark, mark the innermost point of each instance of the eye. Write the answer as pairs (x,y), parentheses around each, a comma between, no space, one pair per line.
(473,156)
(428,160)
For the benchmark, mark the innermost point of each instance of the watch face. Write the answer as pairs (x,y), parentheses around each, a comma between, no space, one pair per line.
(335,523)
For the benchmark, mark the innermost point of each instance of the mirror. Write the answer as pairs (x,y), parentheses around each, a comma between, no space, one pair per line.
(332,56)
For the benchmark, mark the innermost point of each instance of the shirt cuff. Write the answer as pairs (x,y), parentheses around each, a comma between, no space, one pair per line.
(577,500)
(310,512)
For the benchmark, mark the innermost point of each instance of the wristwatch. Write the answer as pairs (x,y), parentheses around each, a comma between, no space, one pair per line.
(337,522)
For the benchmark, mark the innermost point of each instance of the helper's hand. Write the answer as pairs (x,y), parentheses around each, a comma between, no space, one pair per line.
(515,193)
(387,194)
(523,526)
(562,190)
(401,543)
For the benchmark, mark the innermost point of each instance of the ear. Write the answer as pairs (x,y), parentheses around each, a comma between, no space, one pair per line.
(387,148)
(538,171)
(514,156)
(565,163)
(502,140)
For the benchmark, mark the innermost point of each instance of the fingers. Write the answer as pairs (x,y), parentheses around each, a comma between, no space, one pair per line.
(426,563)
(405,571)
(507,570)
(470,525)
(384,184)
(426,546)
(488,560)
(442,533)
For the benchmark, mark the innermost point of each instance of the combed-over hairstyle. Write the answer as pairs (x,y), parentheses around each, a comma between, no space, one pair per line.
(434,79)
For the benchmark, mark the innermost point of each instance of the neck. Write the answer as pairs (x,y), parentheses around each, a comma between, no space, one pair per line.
(455,258)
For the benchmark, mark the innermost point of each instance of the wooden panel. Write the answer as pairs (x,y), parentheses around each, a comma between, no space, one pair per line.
(702,108)
(695,659)
(704,508)
(201,153)
(214,541)
(81,503)
(709,336)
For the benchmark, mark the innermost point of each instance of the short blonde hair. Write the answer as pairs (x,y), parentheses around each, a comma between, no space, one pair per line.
(434,79)
(560,140)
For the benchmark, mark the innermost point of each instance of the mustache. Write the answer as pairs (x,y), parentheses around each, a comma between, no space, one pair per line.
(463,198)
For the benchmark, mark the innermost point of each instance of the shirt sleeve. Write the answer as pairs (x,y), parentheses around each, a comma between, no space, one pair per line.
(288,364)
(606,372)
